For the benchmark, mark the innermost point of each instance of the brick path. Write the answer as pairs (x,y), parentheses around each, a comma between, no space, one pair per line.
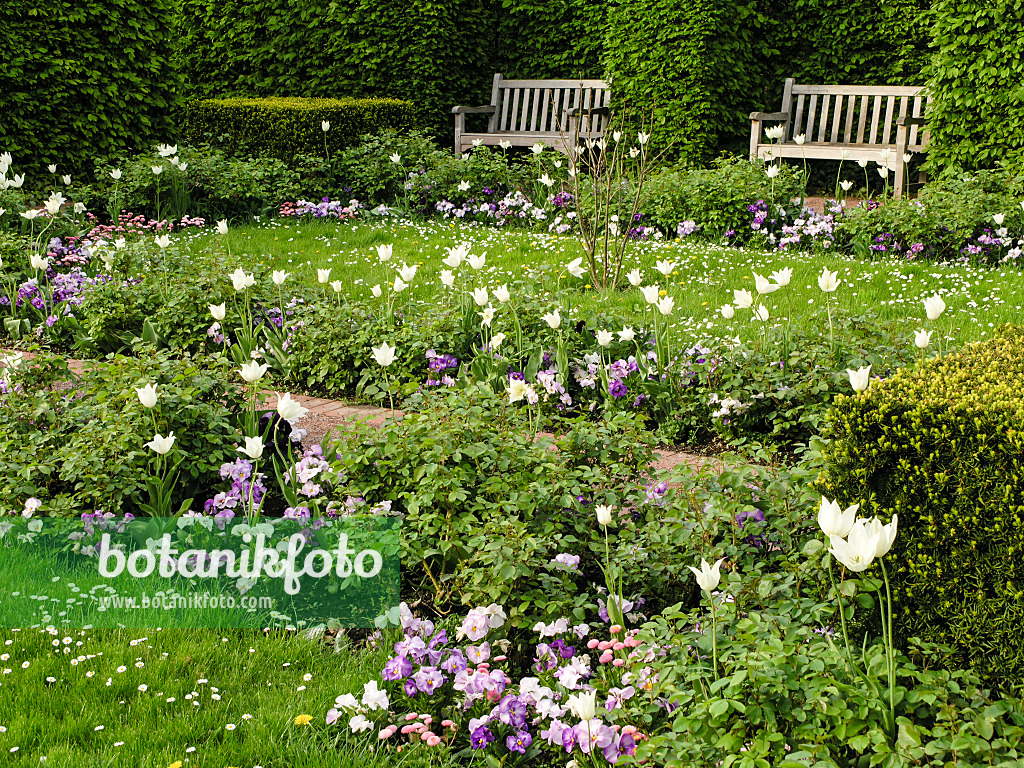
(324,414)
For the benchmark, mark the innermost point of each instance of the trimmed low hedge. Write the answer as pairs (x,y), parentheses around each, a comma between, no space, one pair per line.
(285,126)
(942,446)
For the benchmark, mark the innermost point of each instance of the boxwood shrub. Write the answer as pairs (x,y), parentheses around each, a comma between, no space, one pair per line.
(283,126)
(941,446)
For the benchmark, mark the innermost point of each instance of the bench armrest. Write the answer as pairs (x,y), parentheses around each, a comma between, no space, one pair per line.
(488,110)
(782,116)
(580,112)
(910,121)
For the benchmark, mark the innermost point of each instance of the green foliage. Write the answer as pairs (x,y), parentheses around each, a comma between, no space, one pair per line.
(717,198)
(86,451)
(417,51)
(694,66)
(560,39)
(946,216)
(486,508)
(940,446)
(83,81)
(848,42)
(367,167)
(218,185)
(975,77)
(283,127)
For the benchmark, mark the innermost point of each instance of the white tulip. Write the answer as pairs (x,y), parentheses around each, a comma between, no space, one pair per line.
(39,262)
(161,445)
(934,306)
(253,371)
(66,180)
(253,447)
(858,550)
(147,395)
(376,291)
(241,279)
(665,267)
(553,319)
(666,305)
(626,334)
(537,148)
(384,355)
(289,409)
(761,313)
(708,577)
(477,262)
(325,125)
(828,281)
(771,171)
(886,534)
(859,379)
(727,311)
(51,168)
(115,174)
(222,227)
(650,293)
(399,284)
(480,296)
(782,276)
(604,514)
(447,278)
(922,338)
(384,252)
(634,278)
(846,185)
(279,277)
(163,241)
(218,311)
(336,286)
(396,158)
(407,273)
(604,338)
(834,522)
(575,267)
(501,294)
(998,219)
(743,299)
(323,275)
(764,286)
(157,169)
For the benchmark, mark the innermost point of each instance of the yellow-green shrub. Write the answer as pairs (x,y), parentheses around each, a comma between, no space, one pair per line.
(942,445)
(285,126)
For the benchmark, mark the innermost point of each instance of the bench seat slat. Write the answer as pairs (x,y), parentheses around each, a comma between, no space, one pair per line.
(858,90)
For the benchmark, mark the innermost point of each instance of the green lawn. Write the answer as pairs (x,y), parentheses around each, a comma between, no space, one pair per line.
(978,299)
(218,698)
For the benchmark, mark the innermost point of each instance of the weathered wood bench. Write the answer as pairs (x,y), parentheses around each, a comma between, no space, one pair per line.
(845,122)
(524,112)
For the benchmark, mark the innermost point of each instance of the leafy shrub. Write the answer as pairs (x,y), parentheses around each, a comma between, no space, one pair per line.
(83,449)
(940,446)
(950,219)
(717,198)
(285,126)
(368,169)
(486,508)
(216,185)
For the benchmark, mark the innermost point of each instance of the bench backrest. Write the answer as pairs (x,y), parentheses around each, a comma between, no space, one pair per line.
(854,114)
(539,106)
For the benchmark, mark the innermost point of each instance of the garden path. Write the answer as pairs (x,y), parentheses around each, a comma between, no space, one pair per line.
(325,415)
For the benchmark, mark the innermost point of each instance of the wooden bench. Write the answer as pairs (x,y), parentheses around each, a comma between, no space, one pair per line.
(858,120)
(524,112)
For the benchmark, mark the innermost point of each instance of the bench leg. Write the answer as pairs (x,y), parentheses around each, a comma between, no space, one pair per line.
(460,128)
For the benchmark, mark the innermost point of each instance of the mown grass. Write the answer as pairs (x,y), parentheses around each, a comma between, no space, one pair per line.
(978,298)
(92,698)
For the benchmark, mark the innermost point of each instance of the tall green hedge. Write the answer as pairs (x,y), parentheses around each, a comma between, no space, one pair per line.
(83,80)
(550,38)
(977,77)
(433,53)
(694,66)
(942,446)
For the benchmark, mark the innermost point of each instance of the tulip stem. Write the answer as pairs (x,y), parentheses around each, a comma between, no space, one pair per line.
(890,648)
(714,635)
